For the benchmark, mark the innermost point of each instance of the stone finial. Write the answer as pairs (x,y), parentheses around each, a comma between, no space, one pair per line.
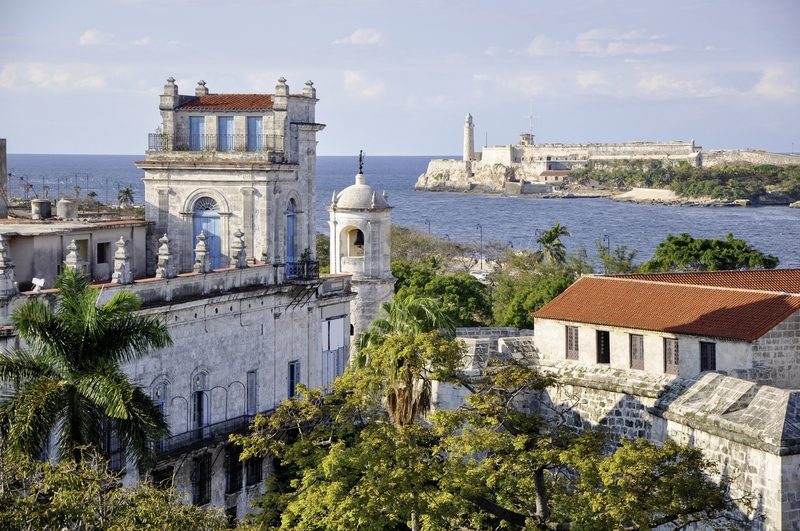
(202,262)
(73,259)
(281,89)
(282,80)
(201,89)
(238,247)
(166,265)
(385,196)
(122,264)
(309,91)
(334,199)
(8,285)
(374,201)
(171,80)
(170,88)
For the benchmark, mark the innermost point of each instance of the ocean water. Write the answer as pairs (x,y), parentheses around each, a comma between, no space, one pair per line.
(460,217)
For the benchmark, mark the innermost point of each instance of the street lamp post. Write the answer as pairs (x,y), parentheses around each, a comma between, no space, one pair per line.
(607,240)
(428,223)
(480,227)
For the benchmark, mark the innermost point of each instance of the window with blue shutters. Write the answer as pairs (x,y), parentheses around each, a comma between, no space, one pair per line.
(255,133)
(225,140)
(197,133)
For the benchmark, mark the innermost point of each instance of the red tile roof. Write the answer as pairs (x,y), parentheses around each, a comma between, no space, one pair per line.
(229,102)
(780,280)
(737,314)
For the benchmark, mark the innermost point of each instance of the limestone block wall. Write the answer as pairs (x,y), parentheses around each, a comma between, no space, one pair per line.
(445,175)
(741,425)
(776,355)
(753,156)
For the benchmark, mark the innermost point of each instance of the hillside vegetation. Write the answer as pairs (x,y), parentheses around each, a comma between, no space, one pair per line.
(741,181)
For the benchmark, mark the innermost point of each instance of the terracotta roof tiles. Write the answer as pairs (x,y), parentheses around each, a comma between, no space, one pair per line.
(781,280)
(229,102)
(644,304)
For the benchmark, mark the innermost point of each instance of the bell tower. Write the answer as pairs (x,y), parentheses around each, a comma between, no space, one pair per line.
(360,232)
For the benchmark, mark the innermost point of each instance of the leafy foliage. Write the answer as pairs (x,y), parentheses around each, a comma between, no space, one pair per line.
(85,496)
(71,374)
(685,253)
(728,182)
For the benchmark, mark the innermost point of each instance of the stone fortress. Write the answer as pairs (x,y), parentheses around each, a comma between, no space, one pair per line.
(530,168)
(226,256)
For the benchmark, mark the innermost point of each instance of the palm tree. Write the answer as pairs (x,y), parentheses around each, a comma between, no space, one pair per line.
(410,314)
(125,196)
(69,380)
(552,246)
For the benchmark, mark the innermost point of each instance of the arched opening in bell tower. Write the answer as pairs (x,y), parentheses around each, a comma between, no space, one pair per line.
(355,242)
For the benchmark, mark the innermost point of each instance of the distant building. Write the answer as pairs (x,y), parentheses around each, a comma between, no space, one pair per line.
(226,255)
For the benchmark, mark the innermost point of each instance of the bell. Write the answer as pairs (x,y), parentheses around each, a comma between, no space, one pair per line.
(359,238)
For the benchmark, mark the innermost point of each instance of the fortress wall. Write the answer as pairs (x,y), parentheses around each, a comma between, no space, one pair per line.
(679,412)
(775,355)
(753,156)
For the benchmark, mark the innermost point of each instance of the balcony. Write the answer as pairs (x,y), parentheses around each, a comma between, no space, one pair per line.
(305,270)
(241,143)
(201,437)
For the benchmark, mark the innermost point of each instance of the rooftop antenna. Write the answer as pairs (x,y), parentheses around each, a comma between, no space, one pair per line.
(361,161)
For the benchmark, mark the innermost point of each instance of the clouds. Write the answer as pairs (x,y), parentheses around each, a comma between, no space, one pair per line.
(95,37)
(50,76)
(601,42)
(356,82)
(776,84)
(362,36)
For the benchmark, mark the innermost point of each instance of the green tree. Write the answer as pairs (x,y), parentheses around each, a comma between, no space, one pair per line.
(125,196)
(71,378)
(551,244)
(85,496)
(685,253)
(461,296)
(324,253)
(519,293)
(616,261)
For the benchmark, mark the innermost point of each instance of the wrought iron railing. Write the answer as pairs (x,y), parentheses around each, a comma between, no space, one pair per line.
(305,270)
(200,437)
(206,142)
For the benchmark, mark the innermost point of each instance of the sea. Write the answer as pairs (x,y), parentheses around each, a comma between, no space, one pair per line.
(469,218)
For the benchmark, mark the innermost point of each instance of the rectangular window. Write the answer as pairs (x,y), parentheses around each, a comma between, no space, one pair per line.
(252,392)
(233,469)
(334,349)
(572,343)
(225,139)
(255,133)
(294,377)
(198,398)
(708,356)
(671,356)
(255,470)
(201,480)
(162,477)
(637,351)
(103,255)
(603,347)
(197,137)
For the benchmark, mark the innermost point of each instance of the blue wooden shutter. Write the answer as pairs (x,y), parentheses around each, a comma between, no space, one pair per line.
(254,133)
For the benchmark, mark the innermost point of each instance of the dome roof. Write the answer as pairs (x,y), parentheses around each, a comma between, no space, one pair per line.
(359,196)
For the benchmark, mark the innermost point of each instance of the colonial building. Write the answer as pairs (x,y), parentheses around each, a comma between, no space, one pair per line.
(742,323)
(226,256)
(708,359)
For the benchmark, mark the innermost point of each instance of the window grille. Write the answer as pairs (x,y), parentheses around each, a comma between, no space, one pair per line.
(572,343)
(201,480)
(603,347)
(637,351)
(708,356)
(671,356)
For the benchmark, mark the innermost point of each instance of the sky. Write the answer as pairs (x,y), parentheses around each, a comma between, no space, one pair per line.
(398,77)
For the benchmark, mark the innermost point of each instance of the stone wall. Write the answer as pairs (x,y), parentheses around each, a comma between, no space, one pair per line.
(752,156)
(750,430)
(776,355)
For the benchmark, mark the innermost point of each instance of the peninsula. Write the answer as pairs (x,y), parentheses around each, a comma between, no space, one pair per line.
(558,169)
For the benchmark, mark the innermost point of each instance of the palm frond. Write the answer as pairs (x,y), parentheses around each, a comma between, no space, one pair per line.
(27,417)
(18,367)
(107,388)
(144,425)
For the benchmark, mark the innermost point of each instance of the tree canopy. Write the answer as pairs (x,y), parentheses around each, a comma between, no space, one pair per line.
(686,253)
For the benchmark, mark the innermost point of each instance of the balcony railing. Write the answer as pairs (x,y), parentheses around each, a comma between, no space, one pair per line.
(200,437)
(305,270)
(206,142)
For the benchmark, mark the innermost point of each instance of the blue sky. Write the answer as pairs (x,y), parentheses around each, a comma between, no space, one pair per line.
(398,77)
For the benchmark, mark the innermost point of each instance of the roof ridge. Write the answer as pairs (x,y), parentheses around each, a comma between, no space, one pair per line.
(703,286)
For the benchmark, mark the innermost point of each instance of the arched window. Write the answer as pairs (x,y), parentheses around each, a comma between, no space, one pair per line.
(205,217)
(291,220)
(355,242)
(160,395)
